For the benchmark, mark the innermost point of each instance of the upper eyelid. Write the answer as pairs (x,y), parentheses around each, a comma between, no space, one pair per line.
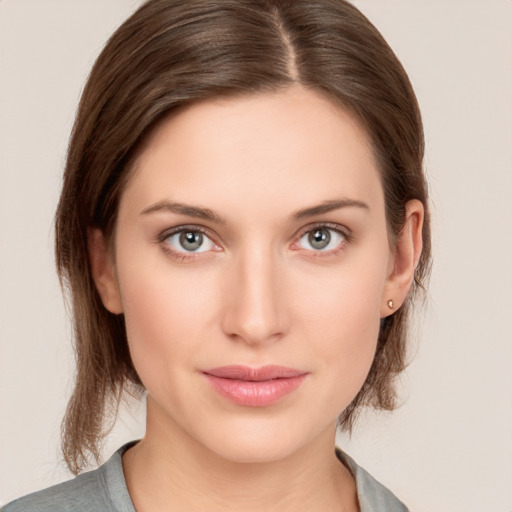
(346,232)
(166,233)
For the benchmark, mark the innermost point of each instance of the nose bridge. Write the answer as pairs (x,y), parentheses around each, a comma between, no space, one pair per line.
(256,309)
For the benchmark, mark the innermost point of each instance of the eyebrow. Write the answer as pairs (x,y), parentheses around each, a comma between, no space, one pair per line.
(329,206)
(210,215)
(184,209)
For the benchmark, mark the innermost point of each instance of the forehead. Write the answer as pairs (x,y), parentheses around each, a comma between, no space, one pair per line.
(291,147)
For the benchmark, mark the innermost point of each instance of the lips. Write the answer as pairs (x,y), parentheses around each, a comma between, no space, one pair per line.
(254,387)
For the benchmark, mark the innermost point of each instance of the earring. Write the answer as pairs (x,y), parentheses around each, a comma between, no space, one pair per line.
(390,304)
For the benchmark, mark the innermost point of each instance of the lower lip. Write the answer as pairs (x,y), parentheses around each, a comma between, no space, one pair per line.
(255,393)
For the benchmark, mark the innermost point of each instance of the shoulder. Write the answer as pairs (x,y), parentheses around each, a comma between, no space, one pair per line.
(371,493)
(76,495)
(101,490)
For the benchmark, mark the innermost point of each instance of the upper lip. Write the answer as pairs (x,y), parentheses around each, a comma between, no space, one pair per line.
(239,372)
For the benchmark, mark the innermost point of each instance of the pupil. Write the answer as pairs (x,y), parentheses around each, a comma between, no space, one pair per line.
(320,238)
(191,240)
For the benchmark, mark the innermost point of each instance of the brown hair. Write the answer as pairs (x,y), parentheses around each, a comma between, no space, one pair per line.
(171,53)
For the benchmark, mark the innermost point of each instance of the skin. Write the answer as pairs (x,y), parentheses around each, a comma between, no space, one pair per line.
(256,293)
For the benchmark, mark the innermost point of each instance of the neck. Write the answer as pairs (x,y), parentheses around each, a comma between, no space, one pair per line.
(169,472)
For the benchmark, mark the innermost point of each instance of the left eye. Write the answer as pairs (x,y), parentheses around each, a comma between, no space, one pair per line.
(321,239)
(189,240)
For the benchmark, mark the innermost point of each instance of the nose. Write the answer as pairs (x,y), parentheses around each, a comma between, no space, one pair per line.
(255,303)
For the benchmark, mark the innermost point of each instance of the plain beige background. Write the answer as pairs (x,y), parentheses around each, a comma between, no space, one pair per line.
(449,447)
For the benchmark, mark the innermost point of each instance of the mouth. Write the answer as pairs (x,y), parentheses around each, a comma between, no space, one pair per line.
(254,387)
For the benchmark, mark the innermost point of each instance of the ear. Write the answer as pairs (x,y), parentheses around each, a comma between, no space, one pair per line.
(404,259)
(103,271)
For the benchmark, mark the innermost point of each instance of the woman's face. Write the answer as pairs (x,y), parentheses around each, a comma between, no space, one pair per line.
(252,266)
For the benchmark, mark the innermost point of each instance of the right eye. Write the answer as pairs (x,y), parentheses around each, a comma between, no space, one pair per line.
(189,241)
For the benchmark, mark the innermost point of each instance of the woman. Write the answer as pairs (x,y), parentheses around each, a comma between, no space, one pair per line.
(243,227)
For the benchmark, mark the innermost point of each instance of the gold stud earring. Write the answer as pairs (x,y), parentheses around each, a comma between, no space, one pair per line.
(390,304)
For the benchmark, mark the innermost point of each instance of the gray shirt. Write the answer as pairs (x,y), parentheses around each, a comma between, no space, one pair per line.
(104,490)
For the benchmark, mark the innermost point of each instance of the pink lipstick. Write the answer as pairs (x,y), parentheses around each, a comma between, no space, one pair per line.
(254,387)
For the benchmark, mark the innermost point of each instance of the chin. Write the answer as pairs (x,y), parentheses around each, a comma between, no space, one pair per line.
(259,452)
(254,441)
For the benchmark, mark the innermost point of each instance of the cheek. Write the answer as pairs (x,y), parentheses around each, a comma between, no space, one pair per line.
(166,314)
(345,301)
(349,325)
(341,315)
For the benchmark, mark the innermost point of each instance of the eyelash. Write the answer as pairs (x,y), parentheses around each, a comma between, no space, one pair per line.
(183,256)
(189,256)
(336,228)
